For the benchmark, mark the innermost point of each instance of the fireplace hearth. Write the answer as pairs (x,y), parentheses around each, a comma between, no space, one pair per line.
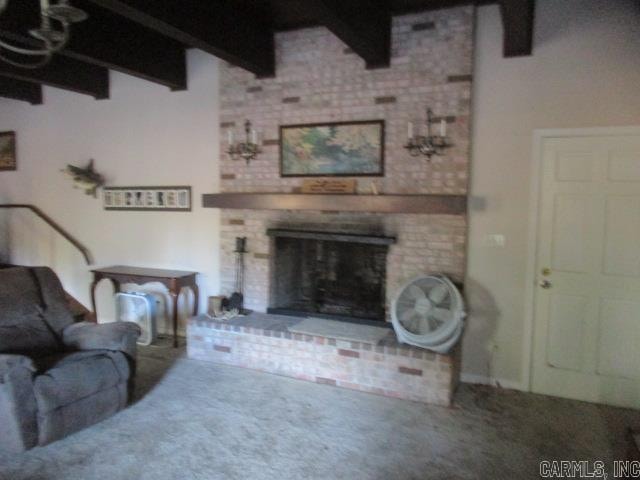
(334,275)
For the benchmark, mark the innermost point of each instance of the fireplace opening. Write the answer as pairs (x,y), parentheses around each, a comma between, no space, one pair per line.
(334,275)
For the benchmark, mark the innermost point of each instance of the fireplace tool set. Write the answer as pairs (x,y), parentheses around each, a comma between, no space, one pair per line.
(226,308)
(236,300)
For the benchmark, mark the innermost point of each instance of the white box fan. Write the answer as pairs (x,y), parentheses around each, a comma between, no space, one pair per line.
(428,312)
(138,308)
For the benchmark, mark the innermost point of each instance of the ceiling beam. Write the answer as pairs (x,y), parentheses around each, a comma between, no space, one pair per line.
(364,26)
(108,41)
(66,74)
(19,90)
(224,28)
(517,19)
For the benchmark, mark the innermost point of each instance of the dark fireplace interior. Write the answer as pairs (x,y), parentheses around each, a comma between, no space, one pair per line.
(340,276)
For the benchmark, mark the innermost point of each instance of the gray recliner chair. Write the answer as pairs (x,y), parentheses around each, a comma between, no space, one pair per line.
(56,376)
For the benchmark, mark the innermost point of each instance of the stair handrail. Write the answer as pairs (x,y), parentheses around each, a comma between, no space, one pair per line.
(47,219)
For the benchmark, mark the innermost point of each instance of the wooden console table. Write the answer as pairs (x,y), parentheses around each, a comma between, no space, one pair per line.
(174,280)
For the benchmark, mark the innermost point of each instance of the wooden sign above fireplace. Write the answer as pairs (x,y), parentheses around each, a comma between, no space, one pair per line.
(329,185)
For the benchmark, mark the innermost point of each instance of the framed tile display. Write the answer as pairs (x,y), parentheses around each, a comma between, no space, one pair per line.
(158,199)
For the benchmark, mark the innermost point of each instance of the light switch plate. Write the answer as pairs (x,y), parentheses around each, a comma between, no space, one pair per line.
(495,240)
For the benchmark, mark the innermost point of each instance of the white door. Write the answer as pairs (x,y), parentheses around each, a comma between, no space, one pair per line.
(587,300)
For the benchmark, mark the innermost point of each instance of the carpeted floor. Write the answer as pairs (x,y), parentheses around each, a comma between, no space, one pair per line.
(194,420)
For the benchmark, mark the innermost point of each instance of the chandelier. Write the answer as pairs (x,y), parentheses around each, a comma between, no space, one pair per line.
(51,36)
(429,144)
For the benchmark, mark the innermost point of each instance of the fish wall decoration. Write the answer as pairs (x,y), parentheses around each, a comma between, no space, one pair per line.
(86,178)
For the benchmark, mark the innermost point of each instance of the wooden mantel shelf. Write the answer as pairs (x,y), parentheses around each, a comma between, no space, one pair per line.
(430,203)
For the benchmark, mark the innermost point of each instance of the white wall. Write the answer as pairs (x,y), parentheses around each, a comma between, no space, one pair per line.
(585,72)
(143,135)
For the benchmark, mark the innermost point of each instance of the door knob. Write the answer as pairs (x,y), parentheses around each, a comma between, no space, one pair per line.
(546,284)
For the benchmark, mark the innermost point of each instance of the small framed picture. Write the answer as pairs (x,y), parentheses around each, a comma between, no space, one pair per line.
(108,199)
(8,159)
(150,199)
(168,199)
(171,198)
(183,198)
(138,198)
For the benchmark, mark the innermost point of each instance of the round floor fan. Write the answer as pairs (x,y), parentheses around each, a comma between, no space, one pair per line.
(428,312)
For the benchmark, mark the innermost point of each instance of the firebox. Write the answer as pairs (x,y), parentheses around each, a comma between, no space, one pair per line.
(334,275)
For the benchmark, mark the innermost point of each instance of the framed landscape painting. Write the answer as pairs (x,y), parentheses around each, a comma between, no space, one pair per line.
(7,150)
(348,149)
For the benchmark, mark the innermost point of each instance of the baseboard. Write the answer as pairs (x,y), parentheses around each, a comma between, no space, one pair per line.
(494,382)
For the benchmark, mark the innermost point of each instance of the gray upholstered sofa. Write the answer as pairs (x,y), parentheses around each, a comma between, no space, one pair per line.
(56,376)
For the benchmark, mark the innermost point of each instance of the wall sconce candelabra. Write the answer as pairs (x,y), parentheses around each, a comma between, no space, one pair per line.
(249,149)
(429,144)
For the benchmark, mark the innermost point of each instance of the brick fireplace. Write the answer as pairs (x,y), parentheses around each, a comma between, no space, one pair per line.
(319,80)
(423,244)
(263,342)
